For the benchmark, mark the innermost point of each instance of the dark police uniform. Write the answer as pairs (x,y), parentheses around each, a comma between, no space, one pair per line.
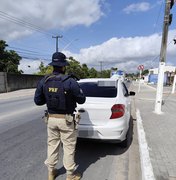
(75,94)
(60,124)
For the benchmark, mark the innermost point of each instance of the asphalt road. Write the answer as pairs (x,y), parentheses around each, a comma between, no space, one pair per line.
(23,148)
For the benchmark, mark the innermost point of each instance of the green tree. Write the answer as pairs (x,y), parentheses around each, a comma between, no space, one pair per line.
(104,74)
(131,76)
(75,68)
(9,60)
(85,71)
(145,72)
(93,73)
(44,70)
(114,69)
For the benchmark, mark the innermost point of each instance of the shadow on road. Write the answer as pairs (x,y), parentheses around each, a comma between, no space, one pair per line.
(130,132)
(88,152)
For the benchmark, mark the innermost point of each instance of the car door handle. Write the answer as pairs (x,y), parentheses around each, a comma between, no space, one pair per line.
(81,110)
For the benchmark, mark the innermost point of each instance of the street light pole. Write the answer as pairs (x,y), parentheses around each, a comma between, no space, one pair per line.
(57,42)
(159,93)
(69,44)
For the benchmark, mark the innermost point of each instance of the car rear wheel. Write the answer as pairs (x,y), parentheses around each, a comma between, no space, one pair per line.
(124,144)
(128,139)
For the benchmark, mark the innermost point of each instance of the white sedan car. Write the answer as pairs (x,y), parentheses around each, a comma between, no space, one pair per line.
(106,113)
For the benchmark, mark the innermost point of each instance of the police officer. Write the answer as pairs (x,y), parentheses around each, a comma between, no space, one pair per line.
(60,93)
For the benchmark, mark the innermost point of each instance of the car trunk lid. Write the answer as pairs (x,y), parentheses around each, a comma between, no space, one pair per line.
(96,111)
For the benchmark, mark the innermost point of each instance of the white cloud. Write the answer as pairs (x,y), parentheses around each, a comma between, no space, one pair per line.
(138,7)
(123,53)
(30,66)
(127,53)
(121,49)
(46,14)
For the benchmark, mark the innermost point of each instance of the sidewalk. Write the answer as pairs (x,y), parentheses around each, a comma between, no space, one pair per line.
(160,130)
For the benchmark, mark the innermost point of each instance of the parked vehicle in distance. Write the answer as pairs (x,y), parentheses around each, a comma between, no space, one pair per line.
(106,113)
(117,74)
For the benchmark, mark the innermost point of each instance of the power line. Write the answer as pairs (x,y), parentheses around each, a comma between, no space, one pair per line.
(24,52)
(33,54)
(159,13)
(35,58)
(23,23)
(29,48)
(159,54)
(11,47)
(28,24)
(71,44)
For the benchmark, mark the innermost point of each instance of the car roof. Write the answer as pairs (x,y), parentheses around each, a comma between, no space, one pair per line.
(104,82)
(97,79)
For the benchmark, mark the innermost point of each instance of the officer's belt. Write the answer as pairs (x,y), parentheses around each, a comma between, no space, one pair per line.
(57,115)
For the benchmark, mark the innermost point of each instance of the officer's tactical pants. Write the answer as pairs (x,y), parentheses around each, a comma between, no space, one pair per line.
(59,131)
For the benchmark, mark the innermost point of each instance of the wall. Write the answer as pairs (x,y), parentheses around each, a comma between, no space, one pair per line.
(153,78)
(2,82)
(11,82)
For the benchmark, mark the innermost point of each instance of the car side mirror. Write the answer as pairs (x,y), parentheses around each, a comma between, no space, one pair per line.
(132,93)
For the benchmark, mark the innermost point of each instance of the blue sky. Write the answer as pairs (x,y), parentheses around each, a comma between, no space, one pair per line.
(119,33)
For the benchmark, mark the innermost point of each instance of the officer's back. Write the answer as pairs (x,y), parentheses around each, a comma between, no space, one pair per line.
(60,93)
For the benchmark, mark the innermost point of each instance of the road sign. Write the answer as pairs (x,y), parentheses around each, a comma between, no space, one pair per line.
(140,67)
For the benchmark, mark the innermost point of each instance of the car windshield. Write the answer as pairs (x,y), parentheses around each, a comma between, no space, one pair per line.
(96,89)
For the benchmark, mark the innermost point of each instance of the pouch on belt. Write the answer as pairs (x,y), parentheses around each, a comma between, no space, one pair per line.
(45,117)
(77,117)
(69,119)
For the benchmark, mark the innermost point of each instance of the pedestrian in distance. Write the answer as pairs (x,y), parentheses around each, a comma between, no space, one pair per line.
(60,92)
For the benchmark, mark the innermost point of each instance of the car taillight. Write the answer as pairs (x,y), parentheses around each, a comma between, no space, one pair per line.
(118,111)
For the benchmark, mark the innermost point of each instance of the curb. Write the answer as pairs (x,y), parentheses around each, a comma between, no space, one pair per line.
(146,166)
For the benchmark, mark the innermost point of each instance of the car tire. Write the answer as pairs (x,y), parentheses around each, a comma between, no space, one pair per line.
(124,144)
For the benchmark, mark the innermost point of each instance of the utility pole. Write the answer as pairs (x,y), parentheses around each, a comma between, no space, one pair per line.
(167,21)
(174,81)
(101,67)
(57,41)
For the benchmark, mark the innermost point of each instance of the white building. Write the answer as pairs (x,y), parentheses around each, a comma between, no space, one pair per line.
(169,72)
(170,69)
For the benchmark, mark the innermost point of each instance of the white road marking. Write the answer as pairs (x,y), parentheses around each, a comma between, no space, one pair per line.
(147,99)
(146,166)
(151,87)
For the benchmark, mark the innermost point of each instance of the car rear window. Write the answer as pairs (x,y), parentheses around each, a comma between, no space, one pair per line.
(94,89)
